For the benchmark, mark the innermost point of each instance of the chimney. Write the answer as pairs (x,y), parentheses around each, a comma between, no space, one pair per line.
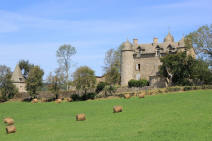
(135,42)
(155,40)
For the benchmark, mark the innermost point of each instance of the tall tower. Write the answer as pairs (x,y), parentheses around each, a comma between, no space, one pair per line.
(127,63)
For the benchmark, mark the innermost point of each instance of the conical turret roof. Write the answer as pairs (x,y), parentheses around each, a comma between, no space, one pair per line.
(127,45)
(169,38)
(17,75)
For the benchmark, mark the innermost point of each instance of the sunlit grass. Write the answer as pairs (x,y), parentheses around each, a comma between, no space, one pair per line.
(182,116)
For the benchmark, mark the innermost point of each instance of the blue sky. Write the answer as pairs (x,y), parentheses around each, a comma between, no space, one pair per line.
(34,29)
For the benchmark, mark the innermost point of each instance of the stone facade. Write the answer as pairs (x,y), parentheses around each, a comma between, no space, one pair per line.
(18,80)
(142,61)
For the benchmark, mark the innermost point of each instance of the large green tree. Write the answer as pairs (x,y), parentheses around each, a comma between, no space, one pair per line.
(201,40)
(34,80)
(7,89)
(84,79)
(182,69)
(64,58)
(25,67)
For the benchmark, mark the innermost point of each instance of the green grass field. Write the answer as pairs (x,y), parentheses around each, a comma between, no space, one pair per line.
(185,116)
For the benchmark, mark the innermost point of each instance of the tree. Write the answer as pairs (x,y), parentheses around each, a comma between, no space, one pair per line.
(7,89)
(201,40)
(182,69)
(64,58)
(25,66)
(55,81)
(34,80)
(112,63)
(84,79)
(201,73)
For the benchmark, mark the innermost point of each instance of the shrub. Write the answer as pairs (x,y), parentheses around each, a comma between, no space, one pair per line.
(137,83)
(76,97)
(132,83)
(173,89)
(206,86)
(187,88)
(87,96)
(100,86)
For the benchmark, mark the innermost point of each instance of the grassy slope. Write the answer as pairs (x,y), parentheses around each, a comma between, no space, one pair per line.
(164,117)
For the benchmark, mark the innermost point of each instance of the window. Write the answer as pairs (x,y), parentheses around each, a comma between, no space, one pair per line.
(157,52)
(138,76)
(138,67)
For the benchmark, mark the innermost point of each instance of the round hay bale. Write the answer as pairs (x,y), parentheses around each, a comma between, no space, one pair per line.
(69,99)
(10,129)
(80,117)
(117,109)
(9,121)
(44,100)
(127,96)
(58,100)
(141,95)
(35,100)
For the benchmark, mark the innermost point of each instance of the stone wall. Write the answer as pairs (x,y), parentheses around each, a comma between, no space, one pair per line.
(148,67)
(123,90)
(43,95)
(157,82)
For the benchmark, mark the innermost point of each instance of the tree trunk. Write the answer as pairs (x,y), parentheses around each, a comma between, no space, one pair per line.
(169,78)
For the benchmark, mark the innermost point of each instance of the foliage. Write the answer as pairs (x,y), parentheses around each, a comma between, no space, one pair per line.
(64,58)
(201,40)
(182,69)
(84,79)
(137,83)
(109,90)
(77,97)
(7,89)
(100,86)
(55,81)
(54,84)
(173,89)
(34,80)
(112,65)
(187,88)
(113,76)
(25,66)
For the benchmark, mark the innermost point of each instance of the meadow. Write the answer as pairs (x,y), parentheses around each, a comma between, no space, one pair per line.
(184,116)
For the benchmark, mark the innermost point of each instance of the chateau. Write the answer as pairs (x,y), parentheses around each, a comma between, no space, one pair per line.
(142,61)
(18,80)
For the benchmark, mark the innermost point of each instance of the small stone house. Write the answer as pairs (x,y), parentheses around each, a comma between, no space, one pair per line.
(18,80)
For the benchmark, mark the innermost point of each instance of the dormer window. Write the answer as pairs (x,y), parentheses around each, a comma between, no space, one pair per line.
(157,51)
(140,49)
(170,49)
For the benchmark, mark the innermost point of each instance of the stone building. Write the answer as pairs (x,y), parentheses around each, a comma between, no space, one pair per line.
(142,61)
(18,80)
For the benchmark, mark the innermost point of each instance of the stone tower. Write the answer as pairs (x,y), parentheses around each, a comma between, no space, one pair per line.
(18,80)
(127,63)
